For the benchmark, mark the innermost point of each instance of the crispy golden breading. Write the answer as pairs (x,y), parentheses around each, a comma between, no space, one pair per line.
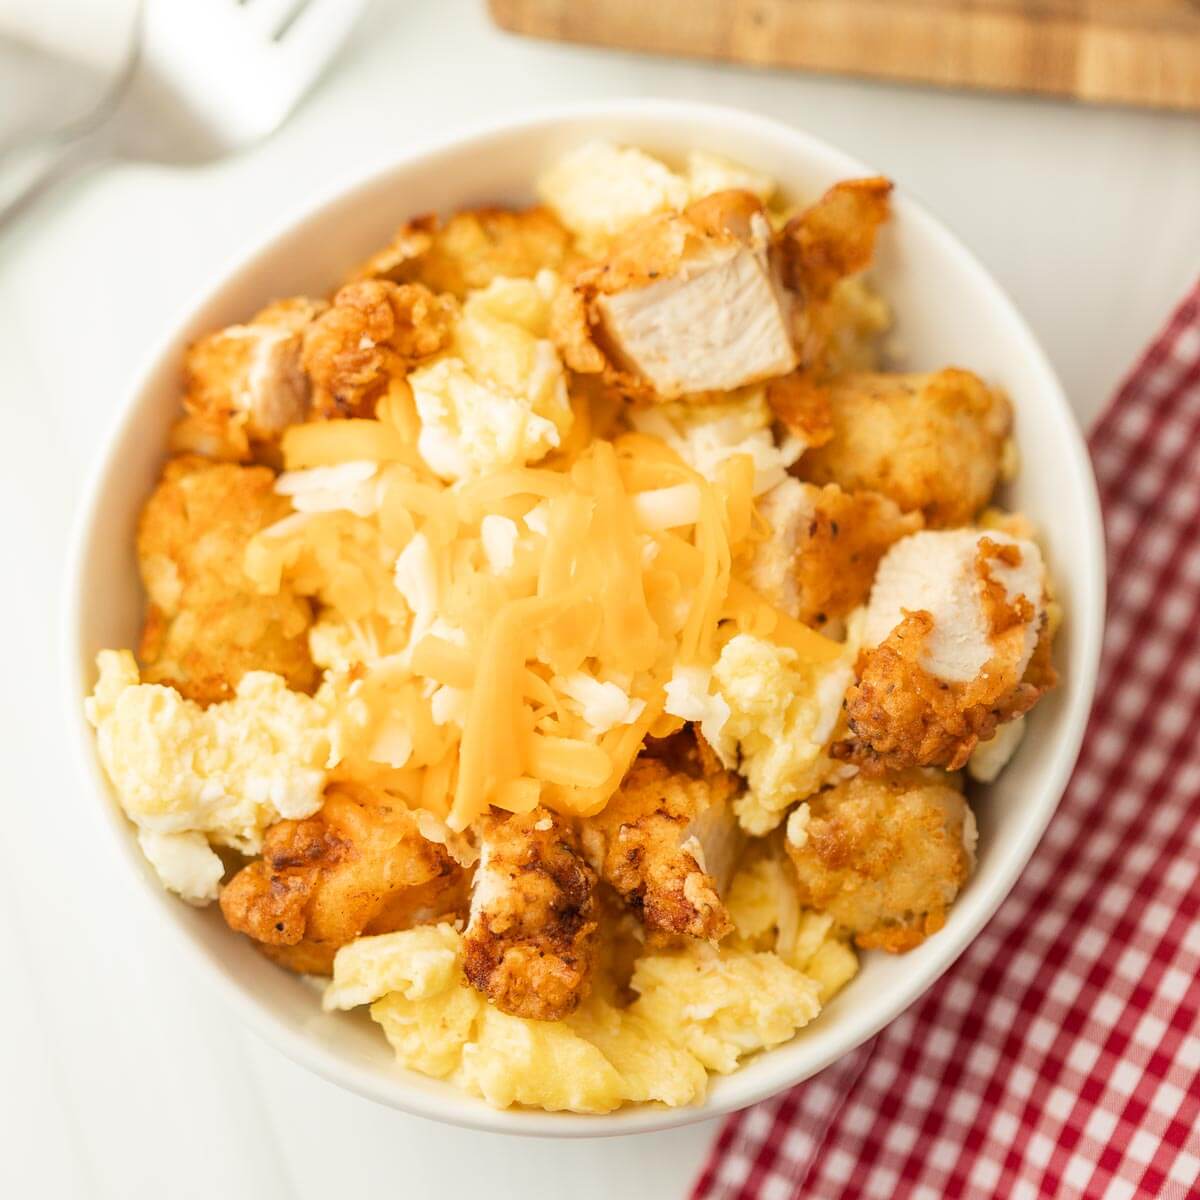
(359,866)
(206,626)
(531,940)
(827,243)
(933,443)
(902,716)
(884,857)
(802,406)
(645,843)
(369,340)
(574,334)
(471,249)
(819,561)
(688,753)
(656,247)
(838,550)
(243,386)
(834,237)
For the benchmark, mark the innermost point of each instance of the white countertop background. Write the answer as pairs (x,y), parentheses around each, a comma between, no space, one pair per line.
(120,1076)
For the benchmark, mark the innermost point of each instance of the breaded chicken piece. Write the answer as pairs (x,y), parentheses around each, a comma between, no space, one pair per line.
(955,645)
(932,443)
(819,562)
(900,715)
(885,857)
(819,249)
(530,943)
(368,341)
(471,249)
(643,316)
(206,625)
(646,843)
(801,404)
(243,386)
(359,866)
(688,753)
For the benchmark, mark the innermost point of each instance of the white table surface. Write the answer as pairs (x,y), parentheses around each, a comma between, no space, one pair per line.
(119,1076)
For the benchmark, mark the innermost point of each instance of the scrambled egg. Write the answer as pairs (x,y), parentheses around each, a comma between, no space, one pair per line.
(859,316)
(723,1004)
(707,435)
(500,397)
(698,1010)
(782,714)
(600,189)
(767,916)
(416,964)
(708,173)
(226,771)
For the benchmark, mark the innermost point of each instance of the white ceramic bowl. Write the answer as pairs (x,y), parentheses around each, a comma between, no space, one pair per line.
(948,310)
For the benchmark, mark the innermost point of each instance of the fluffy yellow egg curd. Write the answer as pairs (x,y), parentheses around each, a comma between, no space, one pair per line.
(653,1039)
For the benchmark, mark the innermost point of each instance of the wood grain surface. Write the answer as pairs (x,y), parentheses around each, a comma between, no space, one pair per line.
(1117,51)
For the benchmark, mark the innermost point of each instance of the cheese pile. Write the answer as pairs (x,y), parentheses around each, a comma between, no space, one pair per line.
(515,631)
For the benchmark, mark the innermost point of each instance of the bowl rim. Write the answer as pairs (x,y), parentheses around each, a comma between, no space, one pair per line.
(1087,617)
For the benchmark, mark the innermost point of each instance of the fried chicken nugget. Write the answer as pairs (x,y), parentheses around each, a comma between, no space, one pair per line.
(471,249)
(654,839)
(359,866)
(933,443)
(374,333)
(206,625)
(956,643)
(531,940)
(885,857)
(820,248)
(819,563)
(835,237)
(243,386)
(900,715)
(801,404)
(640,317)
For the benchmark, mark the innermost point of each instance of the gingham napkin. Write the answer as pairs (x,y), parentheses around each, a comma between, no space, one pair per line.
(1060,1056)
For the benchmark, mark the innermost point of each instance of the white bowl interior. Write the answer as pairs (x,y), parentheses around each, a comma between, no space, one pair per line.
(948,312)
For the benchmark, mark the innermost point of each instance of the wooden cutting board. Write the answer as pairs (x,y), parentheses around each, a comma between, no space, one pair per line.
(1118,51)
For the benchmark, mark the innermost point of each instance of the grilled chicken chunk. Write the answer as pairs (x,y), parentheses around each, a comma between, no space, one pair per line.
(668,840)
(244,385)
(885,857)
(206,623)
(359,866)
(954,646)
(530,942)
(687,302)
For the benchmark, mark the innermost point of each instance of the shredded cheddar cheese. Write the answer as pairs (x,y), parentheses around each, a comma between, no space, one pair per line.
(325,443)
(512,636)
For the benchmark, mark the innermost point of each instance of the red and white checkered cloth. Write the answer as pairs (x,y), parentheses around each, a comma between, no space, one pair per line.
(1060,1056)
